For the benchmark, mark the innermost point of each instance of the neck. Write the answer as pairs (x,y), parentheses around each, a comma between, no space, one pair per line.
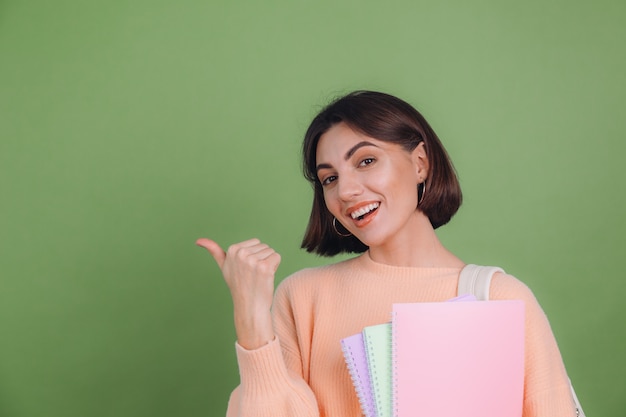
(421,248)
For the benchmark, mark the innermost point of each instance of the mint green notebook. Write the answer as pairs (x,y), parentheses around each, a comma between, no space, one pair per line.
(378,347)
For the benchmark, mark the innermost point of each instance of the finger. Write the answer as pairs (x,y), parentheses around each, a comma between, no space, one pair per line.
(274,258)
(254,250)
(266,268)
(262,252)
(245,249)
(270,258)
(214,249)
(247,243)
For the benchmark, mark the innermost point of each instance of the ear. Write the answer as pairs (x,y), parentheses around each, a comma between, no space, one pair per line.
(420,160)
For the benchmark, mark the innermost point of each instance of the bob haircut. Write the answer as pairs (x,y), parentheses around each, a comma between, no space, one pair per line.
(389,119)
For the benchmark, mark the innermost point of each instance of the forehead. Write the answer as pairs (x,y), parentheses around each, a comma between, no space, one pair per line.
(340,138)
(342,141)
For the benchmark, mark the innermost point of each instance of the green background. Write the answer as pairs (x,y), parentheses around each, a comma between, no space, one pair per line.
(130,128)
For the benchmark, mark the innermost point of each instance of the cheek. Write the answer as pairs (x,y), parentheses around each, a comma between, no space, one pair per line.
(402,188)
(331,201)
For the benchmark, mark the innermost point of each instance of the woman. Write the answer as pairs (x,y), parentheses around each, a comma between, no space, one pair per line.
(382,184)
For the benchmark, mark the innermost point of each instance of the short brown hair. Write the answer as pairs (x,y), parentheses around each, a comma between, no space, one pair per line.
(387,118)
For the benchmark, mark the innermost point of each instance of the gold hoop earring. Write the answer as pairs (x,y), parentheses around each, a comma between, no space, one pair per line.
(337,230)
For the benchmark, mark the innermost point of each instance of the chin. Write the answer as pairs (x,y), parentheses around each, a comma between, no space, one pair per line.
(370,241)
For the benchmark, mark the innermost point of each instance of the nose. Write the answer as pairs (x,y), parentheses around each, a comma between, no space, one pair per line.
(348,187)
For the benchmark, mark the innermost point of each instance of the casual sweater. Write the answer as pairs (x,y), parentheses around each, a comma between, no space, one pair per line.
(302,372)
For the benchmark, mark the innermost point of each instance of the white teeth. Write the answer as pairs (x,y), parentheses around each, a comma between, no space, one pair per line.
(364,210)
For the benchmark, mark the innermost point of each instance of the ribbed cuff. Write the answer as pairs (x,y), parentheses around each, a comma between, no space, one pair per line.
(551,404)
(262,371)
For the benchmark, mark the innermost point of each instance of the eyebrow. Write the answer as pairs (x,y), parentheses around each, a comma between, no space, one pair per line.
(348,154)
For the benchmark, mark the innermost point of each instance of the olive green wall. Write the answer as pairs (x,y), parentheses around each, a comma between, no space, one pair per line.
(130,128)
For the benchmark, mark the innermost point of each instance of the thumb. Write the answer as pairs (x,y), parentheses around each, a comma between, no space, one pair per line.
(214,249)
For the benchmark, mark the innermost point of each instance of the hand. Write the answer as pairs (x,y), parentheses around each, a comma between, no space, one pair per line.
(248,268)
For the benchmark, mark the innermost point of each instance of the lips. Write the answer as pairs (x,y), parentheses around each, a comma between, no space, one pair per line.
(363,213)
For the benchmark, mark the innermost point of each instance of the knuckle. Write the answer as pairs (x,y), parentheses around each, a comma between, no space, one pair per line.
(232,249)
(242,253)
(265,267)
(261,269)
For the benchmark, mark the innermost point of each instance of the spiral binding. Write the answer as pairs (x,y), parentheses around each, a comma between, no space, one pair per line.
(374,381)
(356,380)
(383,405)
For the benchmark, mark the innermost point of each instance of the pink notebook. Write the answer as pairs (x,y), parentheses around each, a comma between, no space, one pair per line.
(458,359)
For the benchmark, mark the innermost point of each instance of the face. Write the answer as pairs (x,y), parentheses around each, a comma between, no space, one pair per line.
(369,185)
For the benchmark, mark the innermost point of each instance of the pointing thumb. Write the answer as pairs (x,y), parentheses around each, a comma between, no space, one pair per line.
(214,249)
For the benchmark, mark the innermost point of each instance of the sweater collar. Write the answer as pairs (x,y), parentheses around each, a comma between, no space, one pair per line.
(364,261)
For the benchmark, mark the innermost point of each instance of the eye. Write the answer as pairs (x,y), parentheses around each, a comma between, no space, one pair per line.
(366,161)
(328,180)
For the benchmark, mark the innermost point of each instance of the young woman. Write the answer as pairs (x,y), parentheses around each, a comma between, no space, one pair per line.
(382,184)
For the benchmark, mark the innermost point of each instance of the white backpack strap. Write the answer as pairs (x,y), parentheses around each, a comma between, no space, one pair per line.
(579,408)
(476,280)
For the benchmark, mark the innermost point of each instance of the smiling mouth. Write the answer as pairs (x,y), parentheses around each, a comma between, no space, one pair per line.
(362,212)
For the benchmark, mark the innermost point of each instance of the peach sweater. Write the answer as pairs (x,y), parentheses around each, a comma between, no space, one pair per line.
(302,372)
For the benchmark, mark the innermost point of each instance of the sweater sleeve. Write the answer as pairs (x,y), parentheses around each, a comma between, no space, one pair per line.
(271,383)
(546,386)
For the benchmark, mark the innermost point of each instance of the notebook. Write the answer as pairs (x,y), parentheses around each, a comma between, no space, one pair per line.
(353,348)
(458,359)
(355,355)
(378,348)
